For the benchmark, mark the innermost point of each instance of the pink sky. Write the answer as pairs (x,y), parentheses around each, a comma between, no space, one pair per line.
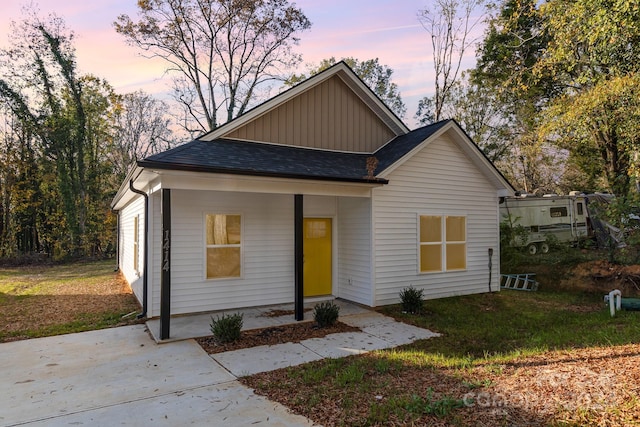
(365,29)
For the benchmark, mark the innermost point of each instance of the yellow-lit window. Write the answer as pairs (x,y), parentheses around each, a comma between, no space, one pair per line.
(456,243)
(223,240)
(443,243)
(136,243)
(430,243)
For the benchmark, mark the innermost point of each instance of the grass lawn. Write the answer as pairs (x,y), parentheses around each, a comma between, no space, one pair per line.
(38,301)
(507,358)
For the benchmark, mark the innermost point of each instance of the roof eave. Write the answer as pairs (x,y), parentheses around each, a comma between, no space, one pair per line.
(124,187)
(231,171)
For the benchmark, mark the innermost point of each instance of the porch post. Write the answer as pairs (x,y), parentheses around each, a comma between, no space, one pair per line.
(299,257)
(165,277)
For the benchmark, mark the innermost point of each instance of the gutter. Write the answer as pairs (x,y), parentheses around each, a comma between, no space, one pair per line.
(252,172)
(146,246)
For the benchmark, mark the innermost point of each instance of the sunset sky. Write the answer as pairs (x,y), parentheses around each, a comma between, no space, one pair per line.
(365,29)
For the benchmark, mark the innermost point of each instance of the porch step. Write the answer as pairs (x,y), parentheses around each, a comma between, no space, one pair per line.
(520,282)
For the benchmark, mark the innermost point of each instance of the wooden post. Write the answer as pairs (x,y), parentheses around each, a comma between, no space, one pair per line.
(299,257)
(165,278)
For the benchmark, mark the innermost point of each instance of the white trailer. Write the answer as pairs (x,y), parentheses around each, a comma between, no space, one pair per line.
(564,217)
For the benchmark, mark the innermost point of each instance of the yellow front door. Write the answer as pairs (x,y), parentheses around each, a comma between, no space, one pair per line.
(317,256)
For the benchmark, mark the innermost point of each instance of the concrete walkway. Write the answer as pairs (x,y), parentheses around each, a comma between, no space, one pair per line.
(121,376)
(378,332)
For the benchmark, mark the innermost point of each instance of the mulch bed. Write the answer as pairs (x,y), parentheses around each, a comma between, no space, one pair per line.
(274,335)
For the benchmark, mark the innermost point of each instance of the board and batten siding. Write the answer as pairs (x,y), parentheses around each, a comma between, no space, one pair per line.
(126,220)
(354,250)
(438,180)
(328,116)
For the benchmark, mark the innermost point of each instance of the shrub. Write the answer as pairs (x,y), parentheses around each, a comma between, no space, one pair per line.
(326,314)
(411,299)
(227,328)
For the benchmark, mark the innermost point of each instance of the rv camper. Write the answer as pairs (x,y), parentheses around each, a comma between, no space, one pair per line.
(564,217)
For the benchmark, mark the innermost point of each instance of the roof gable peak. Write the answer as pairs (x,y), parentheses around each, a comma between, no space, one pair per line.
(350,83)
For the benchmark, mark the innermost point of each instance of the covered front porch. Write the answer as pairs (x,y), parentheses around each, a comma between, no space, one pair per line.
(189,326)
(271,216)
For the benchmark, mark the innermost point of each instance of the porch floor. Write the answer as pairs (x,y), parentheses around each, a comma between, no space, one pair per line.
(184,327)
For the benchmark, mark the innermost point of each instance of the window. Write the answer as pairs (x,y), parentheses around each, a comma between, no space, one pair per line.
(580,209)
(558,212)
(443,243)
(223,241)
(136,243)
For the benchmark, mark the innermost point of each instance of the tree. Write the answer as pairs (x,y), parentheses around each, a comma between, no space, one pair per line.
(513,44)
(59,138)
(481,115)
(594,55)
(220,52)
(372,73)
(450,25)
(140,129)
(567,70)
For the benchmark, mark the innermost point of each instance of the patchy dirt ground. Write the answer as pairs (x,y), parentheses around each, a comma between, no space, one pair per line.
(599,276)
(595,386)
(603,276)
(33,310)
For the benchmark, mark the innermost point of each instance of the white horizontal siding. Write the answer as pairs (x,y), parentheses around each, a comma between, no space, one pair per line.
(439,180)
(320,206)
(153,292)
(126,220)
(354,250)
(267,252)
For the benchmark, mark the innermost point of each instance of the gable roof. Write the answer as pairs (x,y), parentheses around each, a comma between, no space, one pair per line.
(282,161)
(215,153)
(341,71)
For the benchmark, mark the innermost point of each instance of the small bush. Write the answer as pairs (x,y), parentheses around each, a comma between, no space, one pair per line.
(326,314)
(227,328)
(411,299)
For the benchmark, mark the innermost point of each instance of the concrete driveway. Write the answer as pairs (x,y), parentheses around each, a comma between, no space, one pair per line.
(120,376)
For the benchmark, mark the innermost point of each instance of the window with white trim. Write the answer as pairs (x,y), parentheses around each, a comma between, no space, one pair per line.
(136,244)
(443,243)
(223,245)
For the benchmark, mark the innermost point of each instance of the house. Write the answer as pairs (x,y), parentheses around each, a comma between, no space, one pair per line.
(319,192)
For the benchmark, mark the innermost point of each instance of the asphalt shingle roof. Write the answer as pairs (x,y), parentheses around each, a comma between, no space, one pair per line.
(251,158)
(398,147)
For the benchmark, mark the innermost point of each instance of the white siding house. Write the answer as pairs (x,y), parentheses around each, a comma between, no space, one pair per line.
(320,192)
(453,187)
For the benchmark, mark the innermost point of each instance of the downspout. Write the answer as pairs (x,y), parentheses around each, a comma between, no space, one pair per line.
(117,242)
(490,267)
(146,245)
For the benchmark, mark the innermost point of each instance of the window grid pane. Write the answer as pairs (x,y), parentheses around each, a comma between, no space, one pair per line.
(430,258)
(430,229)
(223,262)
(456,256)
(223,230)
(456,229)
